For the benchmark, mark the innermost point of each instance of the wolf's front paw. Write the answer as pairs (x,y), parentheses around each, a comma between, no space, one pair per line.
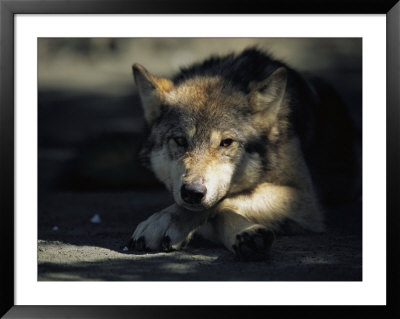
(253,243)
(159,232)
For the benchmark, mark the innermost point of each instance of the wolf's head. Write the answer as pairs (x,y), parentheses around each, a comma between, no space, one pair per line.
(208,139)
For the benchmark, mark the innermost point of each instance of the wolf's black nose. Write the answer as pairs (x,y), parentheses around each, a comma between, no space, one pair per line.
(193,193)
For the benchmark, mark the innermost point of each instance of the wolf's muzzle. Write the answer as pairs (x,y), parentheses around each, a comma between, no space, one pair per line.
(193,193)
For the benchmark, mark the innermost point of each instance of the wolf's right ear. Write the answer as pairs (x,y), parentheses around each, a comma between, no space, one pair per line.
(152,90)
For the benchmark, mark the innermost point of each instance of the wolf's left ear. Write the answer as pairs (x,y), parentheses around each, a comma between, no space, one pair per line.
(152,90)
(267,95)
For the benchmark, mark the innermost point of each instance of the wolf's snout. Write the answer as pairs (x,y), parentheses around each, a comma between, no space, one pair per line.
(193,193)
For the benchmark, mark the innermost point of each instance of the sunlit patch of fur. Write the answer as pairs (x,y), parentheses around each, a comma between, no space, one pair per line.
(218,178)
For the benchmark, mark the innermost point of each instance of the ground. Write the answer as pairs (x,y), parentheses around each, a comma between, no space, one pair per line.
(82,250)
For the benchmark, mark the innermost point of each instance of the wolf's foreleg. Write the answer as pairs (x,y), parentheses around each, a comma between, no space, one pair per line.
(167,229)
(271,205)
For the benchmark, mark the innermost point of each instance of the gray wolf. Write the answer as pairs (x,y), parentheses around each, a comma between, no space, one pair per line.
(248,147)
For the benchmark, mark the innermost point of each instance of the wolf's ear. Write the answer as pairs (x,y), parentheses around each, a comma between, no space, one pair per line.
(152,90)
(267,96)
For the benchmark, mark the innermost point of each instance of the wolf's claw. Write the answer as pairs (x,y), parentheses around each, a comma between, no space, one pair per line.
(166,244)
(140,244)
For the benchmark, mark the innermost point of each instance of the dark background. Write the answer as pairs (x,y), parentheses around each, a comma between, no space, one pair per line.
(91,128)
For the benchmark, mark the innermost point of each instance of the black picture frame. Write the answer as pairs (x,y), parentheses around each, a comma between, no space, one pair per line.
(8,10)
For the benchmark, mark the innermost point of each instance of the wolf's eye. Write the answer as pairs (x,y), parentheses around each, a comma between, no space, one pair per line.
(181,141)
(226,142)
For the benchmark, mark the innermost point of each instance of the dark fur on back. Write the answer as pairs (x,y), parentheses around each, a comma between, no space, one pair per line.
(239,70)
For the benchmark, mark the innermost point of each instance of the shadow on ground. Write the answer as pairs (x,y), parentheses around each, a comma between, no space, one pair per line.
(82,250)
(196,265)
